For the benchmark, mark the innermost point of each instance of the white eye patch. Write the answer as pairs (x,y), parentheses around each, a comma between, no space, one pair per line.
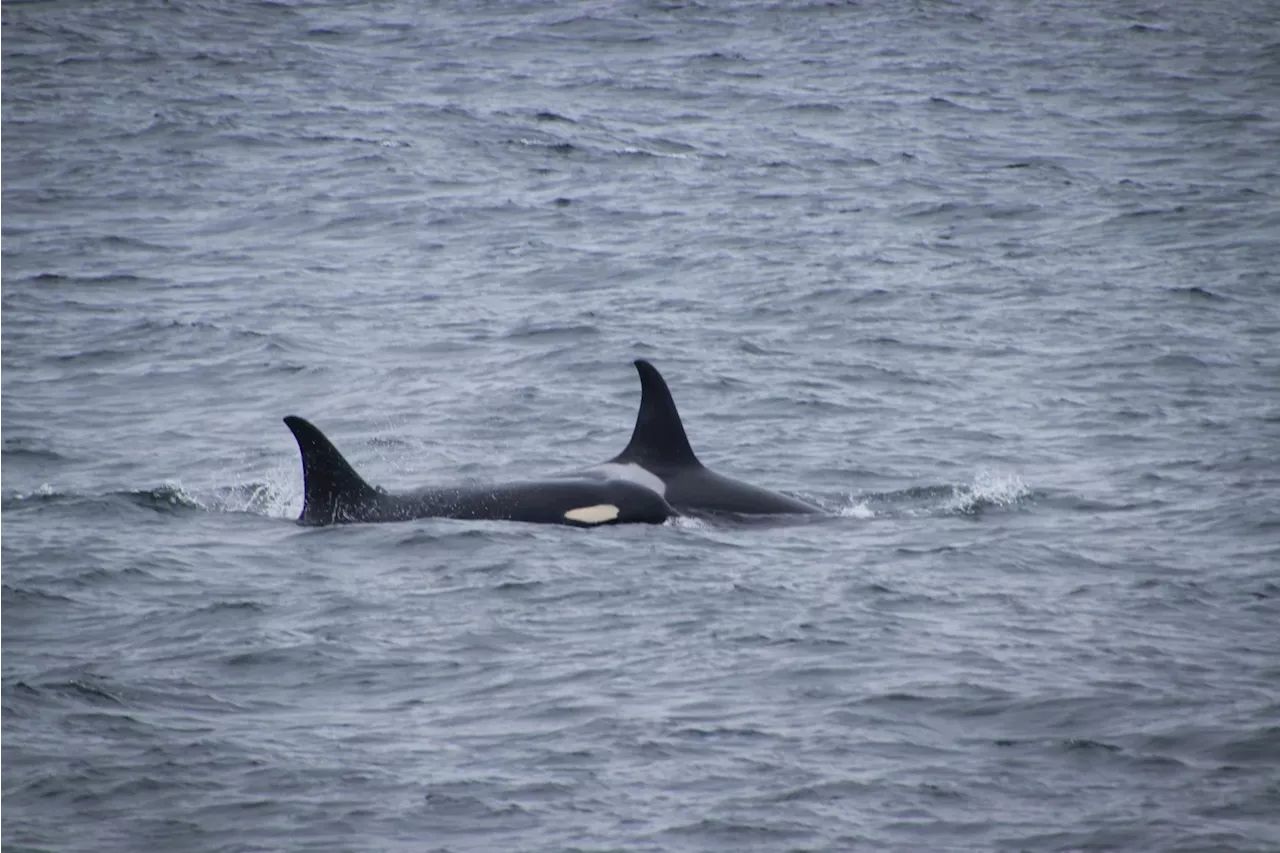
(598,514)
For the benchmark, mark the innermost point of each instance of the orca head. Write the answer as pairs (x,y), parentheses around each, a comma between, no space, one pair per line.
(658,442)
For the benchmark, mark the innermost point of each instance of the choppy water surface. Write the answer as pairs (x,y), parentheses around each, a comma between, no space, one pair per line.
(995,282)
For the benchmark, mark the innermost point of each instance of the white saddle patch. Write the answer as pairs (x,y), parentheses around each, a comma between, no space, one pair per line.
(598,514)
(632,473)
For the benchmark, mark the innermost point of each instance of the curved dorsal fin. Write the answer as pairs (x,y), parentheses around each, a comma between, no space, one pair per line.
(658,438)
(333,490)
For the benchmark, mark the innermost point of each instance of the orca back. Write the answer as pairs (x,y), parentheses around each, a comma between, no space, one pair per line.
(336,494)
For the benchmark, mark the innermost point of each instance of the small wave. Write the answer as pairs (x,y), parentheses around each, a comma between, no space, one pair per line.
(1268,590)
(815,107)
(169,498)
(1089,745)
(1258,747)
(1181,361)
(49,278)
(719,733)
(752,348)
(266,498)
(941,549)
(85,689)
(19,450)
(570,331)
(517,588)
(744,833)
(28,595)
(633,151)
(557,147)
(547,115)
(468,814)
(1200,293)
(825,791)
(659,147)
(441,532)
(133,244)
(233,607)
(912,493)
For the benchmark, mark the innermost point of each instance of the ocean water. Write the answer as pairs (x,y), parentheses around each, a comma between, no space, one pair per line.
(994,282)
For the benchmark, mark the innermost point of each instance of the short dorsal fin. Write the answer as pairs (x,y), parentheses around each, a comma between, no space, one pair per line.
(333,490)
(658,438)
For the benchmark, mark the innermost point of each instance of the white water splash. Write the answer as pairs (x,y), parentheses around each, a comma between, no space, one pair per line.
(46,490)
(277,494)
(989,488)
(860,509)
(688,522)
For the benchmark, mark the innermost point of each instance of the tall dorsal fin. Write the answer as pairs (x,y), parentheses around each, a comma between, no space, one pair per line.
(333,490)
(658,438)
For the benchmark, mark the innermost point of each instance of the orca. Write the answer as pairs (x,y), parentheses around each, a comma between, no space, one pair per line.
(659,457)
(336,494)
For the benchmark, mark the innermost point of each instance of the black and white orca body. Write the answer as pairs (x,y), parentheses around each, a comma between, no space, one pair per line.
(336,494)
(659,457)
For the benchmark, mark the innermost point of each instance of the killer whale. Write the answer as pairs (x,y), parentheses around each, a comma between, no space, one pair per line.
(335,494)
(660,457)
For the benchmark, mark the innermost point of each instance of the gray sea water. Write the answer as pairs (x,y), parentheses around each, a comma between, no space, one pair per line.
(995,282)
